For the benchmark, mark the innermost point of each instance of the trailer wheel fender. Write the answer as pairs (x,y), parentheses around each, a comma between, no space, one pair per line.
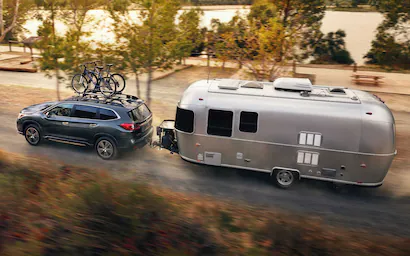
(285,177)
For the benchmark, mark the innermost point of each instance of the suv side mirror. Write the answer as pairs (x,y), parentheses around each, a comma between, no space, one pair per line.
(48,115)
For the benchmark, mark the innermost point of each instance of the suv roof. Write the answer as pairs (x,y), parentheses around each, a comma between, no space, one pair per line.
(116,102)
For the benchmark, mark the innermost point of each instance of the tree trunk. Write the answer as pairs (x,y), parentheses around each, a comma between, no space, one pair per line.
(1,19)
(208,60)
(57,71)
(57,82)
(149,86)
(3,32)
(137,84)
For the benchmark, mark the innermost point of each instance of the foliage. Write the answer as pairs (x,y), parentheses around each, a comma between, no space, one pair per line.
(387,52)
(262,42)
(51,44)
(331,48)
(218,2)
(303,18)
(155,42)
(51,210)
(64,52)
(391,46)
(190,36)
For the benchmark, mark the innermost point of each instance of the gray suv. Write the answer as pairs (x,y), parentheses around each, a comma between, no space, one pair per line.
(121,122)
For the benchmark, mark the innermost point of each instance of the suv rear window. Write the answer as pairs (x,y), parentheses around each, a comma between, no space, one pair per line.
(106,114)
(139,114)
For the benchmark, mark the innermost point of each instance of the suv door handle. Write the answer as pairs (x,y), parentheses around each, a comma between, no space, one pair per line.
(65,123)
(93,125)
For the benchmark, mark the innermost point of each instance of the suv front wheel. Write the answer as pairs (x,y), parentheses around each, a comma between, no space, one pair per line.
(32,135)
(106,148)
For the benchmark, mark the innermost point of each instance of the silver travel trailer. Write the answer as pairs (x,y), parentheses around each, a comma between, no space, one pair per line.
(287,128)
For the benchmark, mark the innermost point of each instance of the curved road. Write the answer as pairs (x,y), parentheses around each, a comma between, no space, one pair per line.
(385,209)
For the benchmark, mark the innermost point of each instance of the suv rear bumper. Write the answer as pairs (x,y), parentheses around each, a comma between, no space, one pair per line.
(130,142)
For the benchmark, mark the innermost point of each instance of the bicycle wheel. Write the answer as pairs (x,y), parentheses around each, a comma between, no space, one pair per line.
(92,82)
(79,83)
(107,86)
(120,80)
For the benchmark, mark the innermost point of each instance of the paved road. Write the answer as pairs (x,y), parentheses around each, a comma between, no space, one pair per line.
(385,209)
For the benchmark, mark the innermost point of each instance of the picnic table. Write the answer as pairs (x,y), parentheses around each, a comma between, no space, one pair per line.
(366,79)
(27,42)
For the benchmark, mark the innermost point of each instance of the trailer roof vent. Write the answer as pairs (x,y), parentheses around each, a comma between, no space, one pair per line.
(228,84)
(252,84)
(293,84)
(338,91)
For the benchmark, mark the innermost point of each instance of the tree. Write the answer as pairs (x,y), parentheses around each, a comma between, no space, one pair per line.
(301,16)
(64,52)
(152,43)
(189,35)
(76,48)
(392,44)
(12,19)
(331,48)
(51,44)
(260,42)
(4,29)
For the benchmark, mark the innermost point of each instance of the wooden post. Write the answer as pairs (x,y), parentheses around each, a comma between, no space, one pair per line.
(31,54)
(9,46)
(294,67)
(354,67)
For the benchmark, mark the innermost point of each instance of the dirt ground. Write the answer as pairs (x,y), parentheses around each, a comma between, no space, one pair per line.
(383,209)
(14,98)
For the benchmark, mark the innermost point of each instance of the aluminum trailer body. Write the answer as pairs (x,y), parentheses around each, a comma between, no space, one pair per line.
(318,132)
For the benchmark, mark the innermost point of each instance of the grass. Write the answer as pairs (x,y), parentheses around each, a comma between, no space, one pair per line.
(51,209)
(351,9)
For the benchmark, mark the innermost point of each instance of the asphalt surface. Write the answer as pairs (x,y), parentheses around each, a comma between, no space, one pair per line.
(382,210)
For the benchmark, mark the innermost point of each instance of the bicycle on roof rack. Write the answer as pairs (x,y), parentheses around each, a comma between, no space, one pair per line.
(93,81)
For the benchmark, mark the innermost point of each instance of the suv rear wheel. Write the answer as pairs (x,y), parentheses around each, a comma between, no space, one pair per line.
(106,148)
(32,135)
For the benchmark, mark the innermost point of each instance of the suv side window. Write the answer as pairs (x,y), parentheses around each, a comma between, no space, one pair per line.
(87,112)
(106,114)
(61,110)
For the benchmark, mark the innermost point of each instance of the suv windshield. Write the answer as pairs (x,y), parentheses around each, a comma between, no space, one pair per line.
(140,113)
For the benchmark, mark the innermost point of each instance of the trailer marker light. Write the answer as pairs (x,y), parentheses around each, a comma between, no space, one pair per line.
(201,99)
(197,144)
(369,113)
(359,182)
(363,165)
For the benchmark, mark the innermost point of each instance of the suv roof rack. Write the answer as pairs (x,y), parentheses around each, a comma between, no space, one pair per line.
(121,100)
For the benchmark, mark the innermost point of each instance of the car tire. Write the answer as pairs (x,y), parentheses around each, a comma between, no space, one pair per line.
(106,148)
(284,178)
(32,134)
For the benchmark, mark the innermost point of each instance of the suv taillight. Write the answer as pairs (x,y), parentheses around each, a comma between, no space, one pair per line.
(130,126)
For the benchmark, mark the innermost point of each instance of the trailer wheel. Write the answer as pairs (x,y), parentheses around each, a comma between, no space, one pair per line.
(284,178)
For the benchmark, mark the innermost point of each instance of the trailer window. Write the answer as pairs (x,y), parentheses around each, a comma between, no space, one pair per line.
(308,158)
(220,123)
(184,120)
(248,122)
(310,139)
